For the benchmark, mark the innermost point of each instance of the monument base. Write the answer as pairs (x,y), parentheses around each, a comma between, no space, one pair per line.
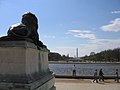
(24,67)
(42,84)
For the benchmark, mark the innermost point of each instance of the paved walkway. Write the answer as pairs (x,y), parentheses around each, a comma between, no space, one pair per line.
(87,84)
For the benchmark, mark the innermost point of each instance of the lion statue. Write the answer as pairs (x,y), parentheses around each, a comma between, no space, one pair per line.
(26,30)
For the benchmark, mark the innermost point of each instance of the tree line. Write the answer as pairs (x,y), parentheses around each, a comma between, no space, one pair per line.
(52,56)
(111,55)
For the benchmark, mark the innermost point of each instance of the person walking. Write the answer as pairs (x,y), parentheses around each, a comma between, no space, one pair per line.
(101,77)
(117,76)
(95,76)
(74,71)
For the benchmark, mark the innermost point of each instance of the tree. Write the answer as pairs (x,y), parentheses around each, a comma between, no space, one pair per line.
(54,56)
(57,57)
(106,55)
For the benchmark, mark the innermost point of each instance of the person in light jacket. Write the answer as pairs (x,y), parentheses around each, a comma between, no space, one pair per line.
(95,77)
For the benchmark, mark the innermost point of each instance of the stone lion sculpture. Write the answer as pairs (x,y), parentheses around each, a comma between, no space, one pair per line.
(26,30)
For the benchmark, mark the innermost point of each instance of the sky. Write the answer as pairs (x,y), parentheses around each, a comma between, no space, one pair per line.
(64,25)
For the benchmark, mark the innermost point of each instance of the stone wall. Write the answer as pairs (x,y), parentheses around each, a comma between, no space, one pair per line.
(22,59)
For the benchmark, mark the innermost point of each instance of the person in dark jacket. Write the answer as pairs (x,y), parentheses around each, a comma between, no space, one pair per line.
(74,71)
(117,76)
(101,77)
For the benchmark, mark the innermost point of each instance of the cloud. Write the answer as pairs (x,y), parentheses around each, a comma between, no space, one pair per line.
(75,31)
(105,42)
(114,26)
(94,45)
(89,36)
(1,35)
(80,31)
(82,34)
(64,50)
(116,12)
(50,37)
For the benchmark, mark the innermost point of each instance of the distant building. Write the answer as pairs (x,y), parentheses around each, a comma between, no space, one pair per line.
(92,53)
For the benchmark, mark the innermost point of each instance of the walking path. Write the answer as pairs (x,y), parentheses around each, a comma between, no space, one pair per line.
(85,84)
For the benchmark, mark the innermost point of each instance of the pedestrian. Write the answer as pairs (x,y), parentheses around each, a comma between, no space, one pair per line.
(117,76)
(101,77)
(74,70)
(95,76)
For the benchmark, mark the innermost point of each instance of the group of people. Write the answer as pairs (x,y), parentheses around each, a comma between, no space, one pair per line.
(99,77)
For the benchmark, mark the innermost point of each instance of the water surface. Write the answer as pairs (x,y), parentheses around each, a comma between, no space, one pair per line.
(84,69)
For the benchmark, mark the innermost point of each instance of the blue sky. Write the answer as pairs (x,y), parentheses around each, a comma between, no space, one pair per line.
(64,25)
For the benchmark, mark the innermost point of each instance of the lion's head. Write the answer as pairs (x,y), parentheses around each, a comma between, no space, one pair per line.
(30,20)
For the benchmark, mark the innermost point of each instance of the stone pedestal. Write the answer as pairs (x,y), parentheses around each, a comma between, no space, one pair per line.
(24,67)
